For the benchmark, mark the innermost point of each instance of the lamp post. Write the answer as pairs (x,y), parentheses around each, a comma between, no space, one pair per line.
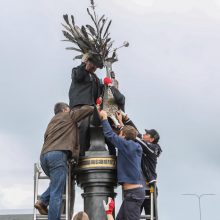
(199,199)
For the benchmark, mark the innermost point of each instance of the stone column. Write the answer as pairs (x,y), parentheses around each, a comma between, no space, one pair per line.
(97,177)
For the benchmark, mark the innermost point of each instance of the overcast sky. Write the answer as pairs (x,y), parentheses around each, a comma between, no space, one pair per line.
(169,75)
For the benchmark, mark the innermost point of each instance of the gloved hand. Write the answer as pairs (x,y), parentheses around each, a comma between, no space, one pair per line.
(152,186)
(152,183)
(109,206)
(107,81)
(99,101)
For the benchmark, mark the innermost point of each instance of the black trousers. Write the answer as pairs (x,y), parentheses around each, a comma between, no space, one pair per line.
(131,205)
(84,135)
(146,204)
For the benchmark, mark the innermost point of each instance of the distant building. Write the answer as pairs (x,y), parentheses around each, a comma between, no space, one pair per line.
(17,217)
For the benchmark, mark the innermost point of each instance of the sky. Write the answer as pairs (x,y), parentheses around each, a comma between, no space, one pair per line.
(169,75)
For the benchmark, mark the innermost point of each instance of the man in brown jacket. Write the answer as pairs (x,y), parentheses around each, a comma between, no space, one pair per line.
(61,142)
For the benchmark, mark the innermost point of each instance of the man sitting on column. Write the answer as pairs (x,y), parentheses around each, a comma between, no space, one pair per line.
(86,88)
(60,144)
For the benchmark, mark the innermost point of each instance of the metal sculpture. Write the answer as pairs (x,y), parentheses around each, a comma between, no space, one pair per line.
(94,40)
(96,172)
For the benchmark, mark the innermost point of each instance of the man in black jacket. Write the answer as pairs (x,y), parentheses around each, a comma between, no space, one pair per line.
(86,88)
(151,151)
(149,163)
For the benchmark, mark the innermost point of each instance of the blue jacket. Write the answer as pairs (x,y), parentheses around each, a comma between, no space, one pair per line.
(129,156)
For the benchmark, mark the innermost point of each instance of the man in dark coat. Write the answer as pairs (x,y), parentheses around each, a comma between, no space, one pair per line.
(86,88)
(61,143)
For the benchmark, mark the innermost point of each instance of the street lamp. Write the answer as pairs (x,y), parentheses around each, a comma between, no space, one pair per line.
(199,198)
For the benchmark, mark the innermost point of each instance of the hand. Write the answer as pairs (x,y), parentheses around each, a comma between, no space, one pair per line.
(103,115)
(152,184)
(107,81)
(115,121)
(109,206)
(124,115)
(119,116)
(99,101)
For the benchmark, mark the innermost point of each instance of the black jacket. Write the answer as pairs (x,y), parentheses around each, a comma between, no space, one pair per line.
(119,98)
(149,157)
(86,88)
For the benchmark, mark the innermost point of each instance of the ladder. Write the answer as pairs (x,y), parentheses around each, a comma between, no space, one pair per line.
(68,197)
(153,204)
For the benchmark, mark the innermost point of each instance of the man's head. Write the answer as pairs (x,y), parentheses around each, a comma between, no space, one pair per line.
(90,66)
(128,132)
(93,61)
(80,216)
(151,136)
(61,107)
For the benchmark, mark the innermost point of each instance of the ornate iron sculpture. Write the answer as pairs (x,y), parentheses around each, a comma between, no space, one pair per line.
(94,40)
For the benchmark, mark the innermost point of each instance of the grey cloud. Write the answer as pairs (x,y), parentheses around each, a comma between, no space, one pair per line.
(169,74)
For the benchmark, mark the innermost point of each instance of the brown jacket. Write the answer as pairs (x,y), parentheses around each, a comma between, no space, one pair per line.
(62,132)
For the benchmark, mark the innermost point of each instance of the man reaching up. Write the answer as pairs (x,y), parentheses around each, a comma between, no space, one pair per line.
(128,168)
(61,142)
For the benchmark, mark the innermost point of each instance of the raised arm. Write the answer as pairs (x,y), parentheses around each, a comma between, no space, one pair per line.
(128,121)
(79,73)
(108,132)
(109,207)
(119,98)
(81,113)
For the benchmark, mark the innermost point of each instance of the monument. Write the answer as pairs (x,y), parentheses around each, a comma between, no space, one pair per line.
(96,171)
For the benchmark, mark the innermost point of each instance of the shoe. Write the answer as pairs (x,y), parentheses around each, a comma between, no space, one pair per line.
(41,207)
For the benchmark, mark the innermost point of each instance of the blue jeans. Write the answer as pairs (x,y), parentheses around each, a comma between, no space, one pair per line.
(54,164)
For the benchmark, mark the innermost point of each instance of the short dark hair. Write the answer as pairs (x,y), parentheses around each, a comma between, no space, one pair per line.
(129,132)
(153,134)
(59,107)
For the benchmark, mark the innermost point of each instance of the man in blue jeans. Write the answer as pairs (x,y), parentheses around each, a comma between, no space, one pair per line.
(61,142)
(128,168)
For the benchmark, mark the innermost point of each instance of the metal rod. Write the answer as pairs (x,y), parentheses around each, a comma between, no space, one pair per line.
(151,204)
(199,200)
(67,197)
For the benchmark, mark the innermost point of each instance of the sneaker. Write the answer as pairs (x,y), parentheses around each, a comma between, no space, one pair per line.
(41,207)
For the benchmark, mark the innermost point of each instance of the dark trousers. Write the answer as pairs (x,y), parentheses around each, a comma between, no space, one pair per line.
(146,204)
(84,135)
(131,205)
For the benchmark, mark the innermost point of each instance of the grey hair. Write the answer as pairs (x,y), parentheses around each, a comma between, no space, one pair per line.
(59,107)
